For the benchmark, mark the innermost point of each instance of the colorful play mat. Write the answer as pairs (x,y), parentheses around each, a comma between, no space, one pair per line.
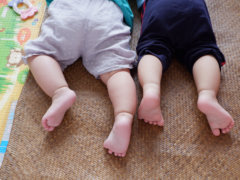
(14,33)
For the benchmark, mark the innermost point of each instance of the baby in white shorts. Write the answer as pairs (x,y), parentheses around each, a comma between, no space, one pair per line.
(95,31)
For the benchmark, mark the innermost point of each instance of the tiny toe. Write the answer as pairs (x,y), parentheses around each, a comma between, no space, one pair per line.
(231,125)
(161,123)
(46,126)
(227,129)
(50,128)
(110,152)
(224,131)
(216,132)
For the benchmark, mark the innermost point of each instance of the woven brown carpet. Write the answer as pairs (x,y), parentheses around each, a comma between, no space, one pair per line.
(185,148)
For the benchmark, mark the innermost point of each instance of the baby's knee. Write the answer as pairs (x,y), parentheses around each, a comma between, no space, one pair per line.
(106,76)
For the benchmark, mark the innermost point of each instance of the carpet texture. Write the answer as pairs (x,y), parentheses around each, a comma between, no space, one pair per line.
(185,148)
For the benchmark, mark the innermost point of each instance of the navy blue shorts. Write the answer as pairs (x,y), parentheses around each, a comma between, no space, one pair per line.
(178,29)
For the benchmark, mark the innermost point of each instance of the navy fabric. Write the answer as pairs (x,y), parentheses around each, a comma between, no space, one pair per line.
(177,28)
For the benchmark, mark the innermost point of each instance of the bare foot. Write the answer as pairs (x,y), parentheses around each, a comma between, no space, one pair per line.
(149,109)
(61,102)
(119,137)
(218,118)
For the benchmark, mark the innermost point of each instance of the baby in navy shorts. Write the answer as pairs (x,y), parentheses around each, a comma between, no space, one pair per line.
(180,29)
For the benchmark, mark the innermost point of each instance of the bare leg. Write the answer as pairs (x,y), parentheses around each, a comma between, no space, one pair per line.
(150,74)
(50,78)
(122,92)
(207,78)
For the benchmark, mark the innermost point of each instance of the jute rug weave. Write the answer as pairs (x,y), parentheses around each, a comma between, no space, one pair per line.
(184,149)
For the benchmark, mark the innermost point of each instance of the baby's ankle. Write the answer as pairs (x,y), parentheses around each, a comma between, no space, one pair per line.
(151,88)
(207,93)
(125,115)
(61,92)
